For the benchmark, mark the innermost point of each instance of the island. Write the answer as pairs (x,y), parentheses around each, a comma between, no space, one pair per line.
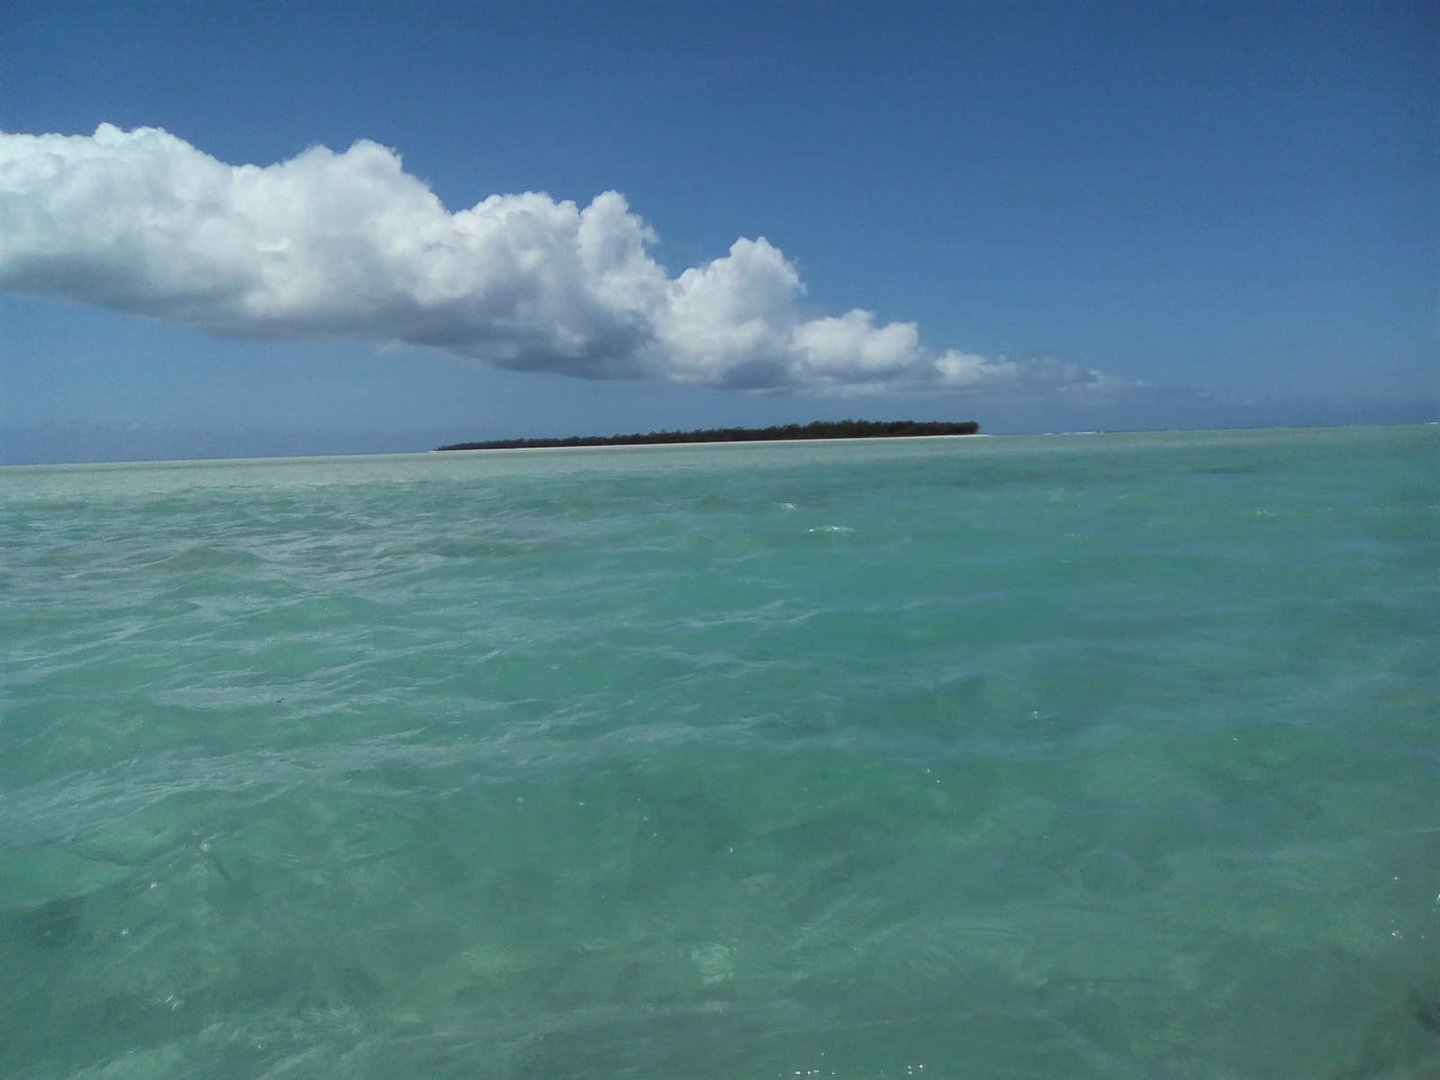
(820,429)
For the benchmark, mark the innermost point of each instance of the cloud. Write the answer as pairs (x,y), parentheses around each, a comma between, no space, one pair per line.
(350,246)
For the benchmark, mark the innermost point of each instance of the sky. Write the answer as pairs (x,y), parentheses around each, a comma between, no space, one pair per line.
(250,228)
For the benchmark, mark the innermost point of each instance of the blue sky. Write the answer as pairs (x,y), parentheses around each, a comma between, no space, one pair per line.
(1059,216)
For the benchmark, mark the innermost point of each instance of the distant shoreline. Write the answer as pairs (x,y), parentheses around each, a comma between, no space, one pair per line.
(819,431)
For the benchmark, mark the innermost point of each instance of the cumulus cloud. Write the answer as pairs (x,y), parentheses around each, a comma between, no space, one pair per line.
(350,246)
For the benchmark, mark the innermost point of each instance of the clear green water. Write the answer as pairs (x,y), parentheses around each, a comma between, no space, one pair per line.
(1094,756)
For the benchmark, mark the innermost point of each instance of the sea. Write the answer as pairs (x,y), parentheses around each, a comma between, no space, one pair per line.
(1073,756)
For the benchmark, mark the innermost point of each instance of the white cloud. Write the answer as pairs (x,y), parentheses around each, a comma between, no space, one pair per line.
(350,246)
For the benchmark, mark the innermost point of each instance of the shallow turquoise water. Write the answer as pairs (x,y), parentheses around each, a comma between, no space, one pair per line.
(1103,756)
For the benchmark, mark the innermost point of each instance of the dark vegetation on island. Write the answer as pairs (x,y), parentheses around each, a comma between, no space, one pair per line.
(820,429)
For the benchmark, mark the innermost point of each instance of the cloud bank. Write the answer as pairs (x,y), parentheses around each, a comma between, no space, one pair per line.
(349,246)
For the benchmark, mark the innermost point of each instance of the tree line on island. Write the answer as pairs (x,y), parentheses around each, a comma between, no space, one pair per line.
(820,429)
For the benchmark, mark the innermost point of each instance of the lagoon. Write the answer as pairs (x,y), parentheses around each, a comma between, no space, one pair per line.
(1086,756)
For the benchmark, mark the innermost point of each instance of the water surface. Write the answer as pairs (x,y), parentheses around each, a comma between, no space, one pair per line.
(1103,756)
